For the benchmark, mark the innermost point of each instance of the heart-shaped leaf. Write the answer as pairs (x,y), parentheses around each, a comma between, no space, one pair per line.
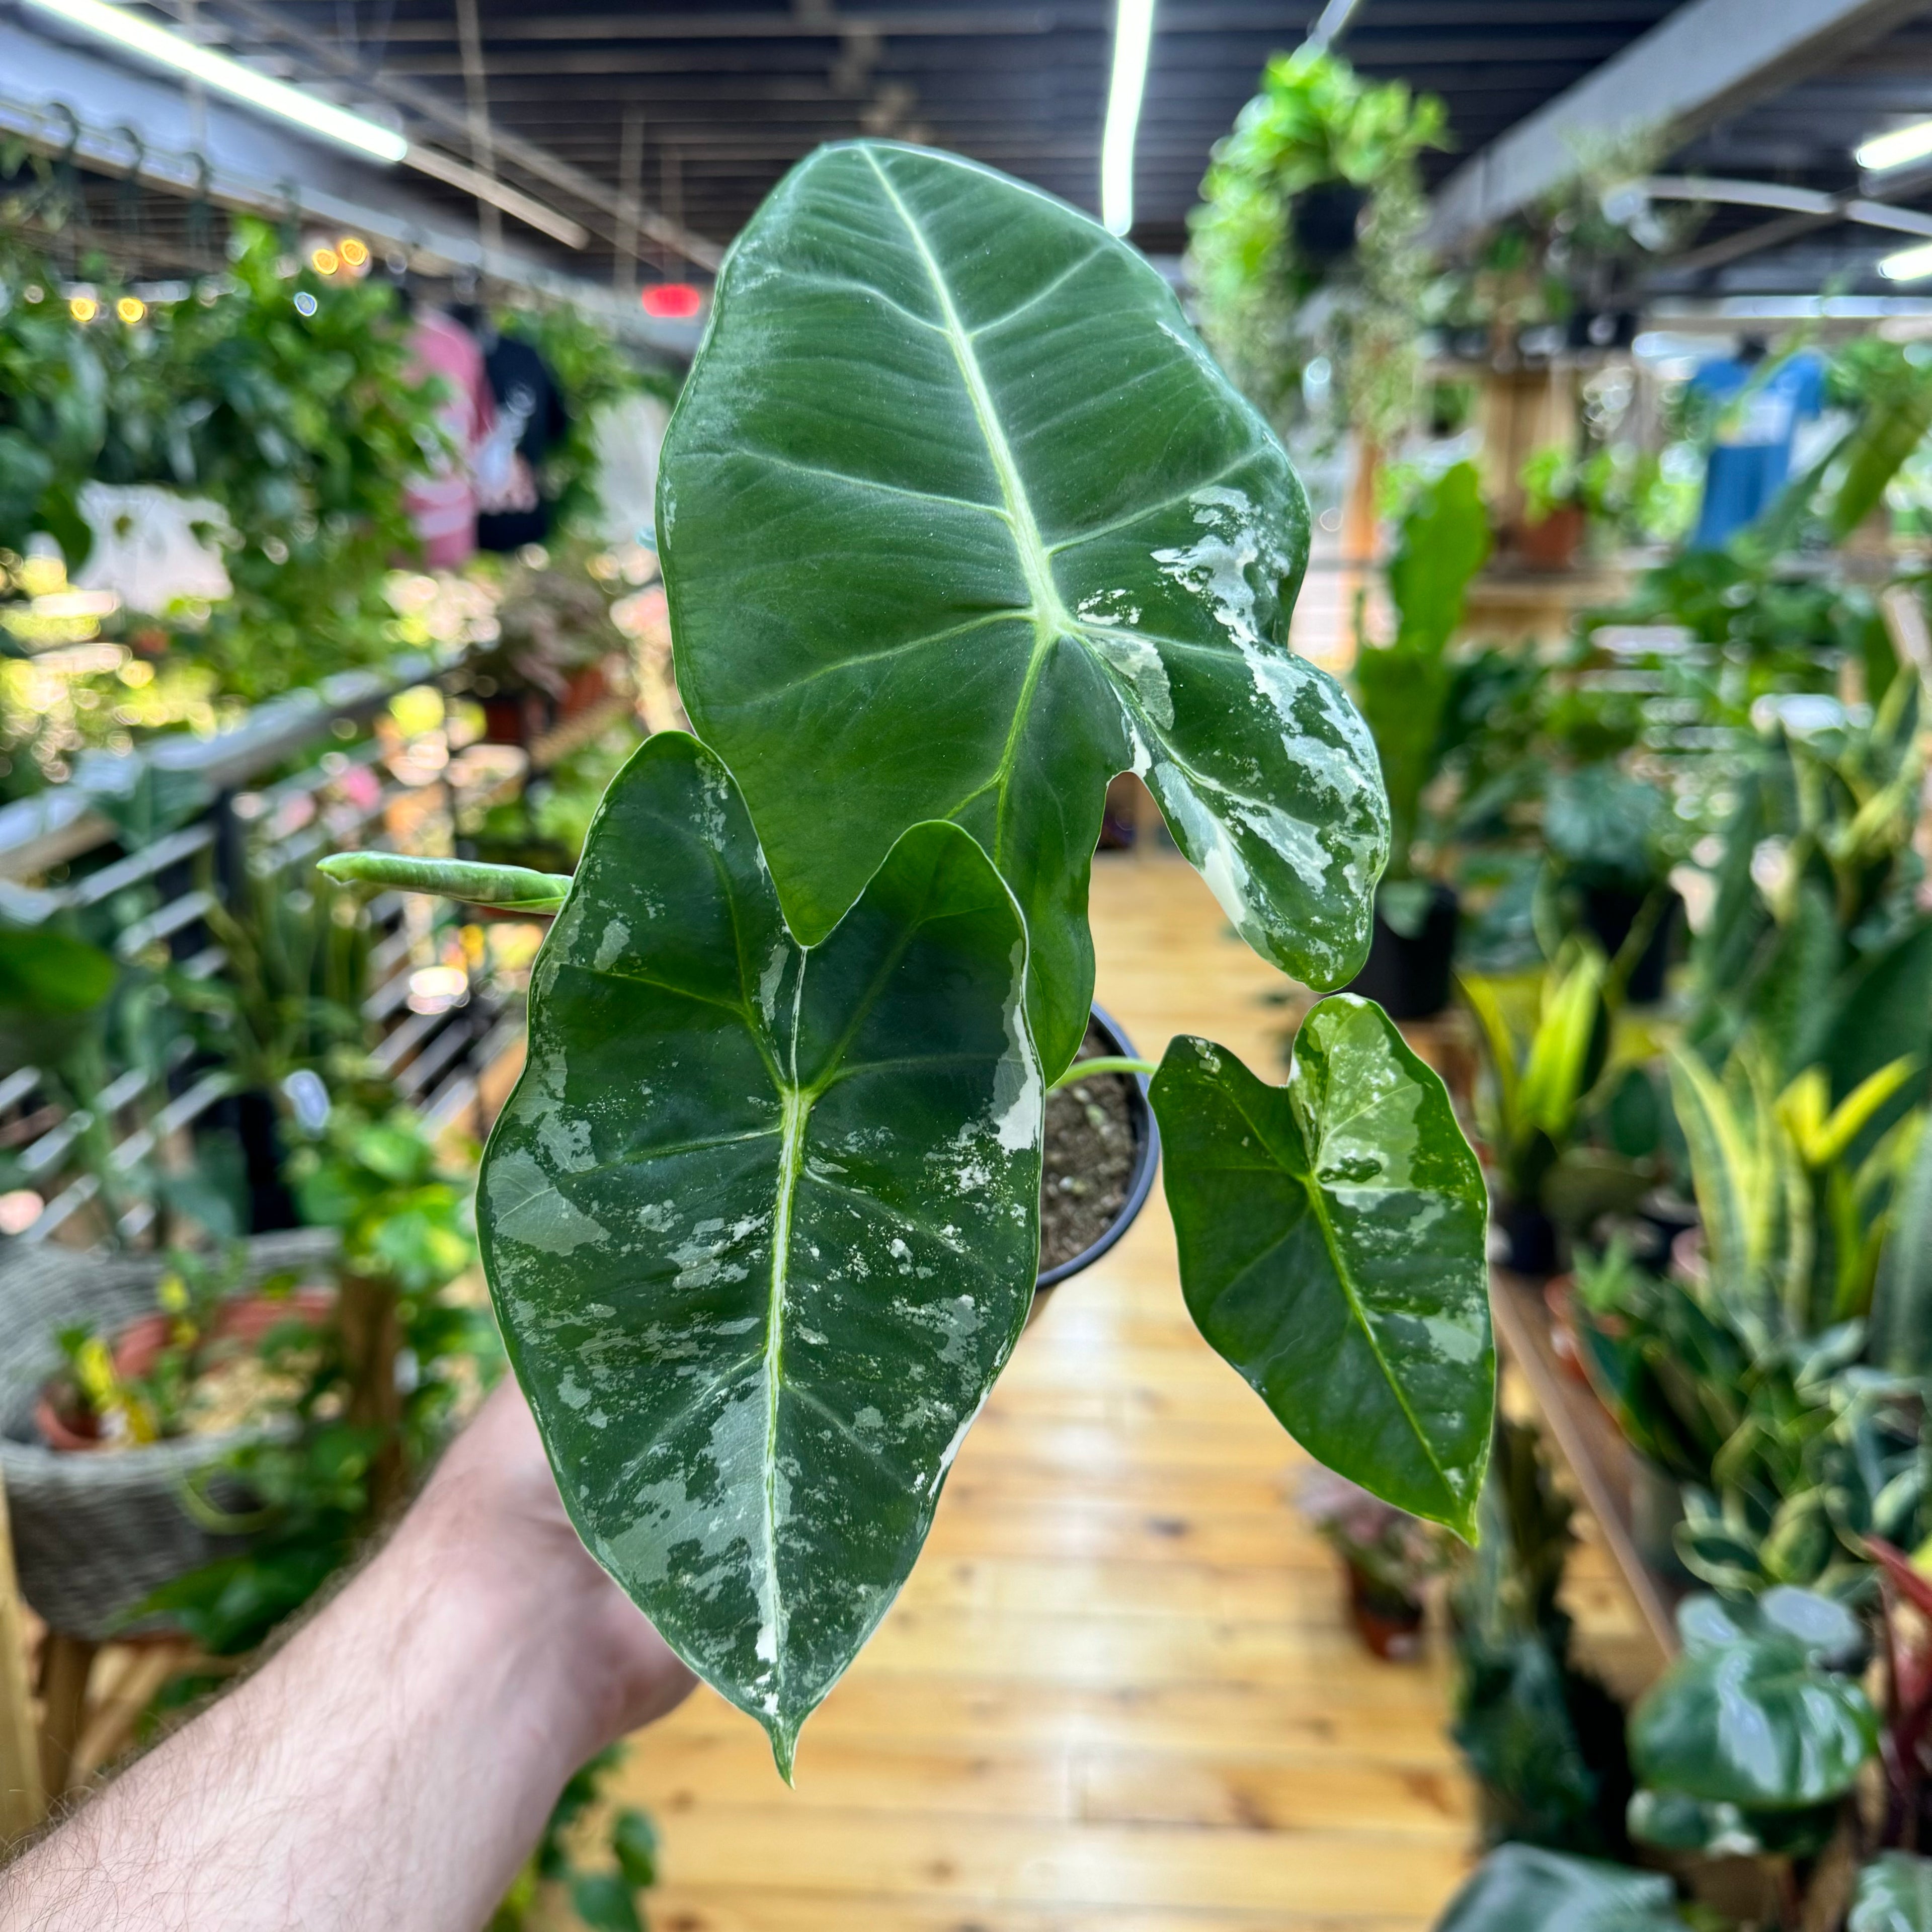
(1332,1248)
(1754,1723)
(762,1221)
(958,519)
(1525,1888)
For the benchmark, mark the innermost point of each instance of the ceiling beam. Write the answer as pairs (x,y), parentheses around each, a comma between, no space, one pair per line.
(603,197)
(1751,240)
(727,25)
(1516,51)
(1708,59)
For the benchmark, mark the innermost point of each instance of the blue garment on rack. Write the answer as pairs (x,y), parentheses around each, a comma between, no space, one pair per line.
(1751,457)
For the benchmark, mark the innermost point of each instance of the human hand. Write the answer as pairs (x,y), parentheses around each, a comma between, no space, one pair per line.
(490,1521)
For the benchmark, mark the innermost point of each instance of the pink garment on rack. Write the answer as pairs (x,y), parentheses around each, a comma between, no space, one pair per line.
(443,505)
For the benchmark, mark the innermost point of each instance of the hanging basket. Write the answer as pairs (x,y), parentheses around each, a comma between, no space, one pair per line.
(96,1534)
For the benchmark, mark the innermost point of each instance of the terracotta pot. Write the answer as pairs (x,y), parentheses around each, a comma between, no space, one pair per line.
(1551,544)
(588,688)
(139,1346)
(1388,1623)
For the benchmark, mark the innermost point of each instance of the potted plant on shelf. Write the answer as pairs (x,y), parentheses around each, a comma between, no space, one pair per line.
(1543,1739)
(96,1534)
(199,1362)
(1746,1752)
(1388,1556)
(1403,689)
(1551,1051)
(1608,833)
(1555,509)
(761,1218)
(1317,187)
(1777,1380)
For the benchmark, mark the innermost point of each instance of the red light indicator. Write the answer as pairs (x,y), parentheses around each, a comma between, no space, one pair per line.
(671,301)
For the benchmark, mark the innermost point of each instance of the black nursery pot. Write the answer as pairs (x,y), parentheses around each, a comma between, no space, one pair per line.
(1609,913)
(1530,1235)
(1147,1158)
(250,1117)
(1325,220)
(1409,979)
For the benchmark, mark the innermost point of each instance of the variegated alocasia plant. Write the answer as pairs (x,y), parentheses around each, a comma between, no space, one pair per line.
(957,520)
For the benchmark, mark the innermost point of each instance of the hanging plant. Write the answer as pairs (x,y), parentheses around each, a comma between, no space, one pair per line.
(1317,192)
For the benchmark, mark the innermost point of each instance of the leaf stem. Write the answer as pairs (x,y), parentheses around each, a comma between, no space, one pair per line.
(509,888)
(1102,1062)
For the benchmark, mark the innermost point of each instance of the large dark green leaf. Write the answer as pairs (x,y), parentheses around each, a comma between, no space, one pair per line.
(1894,1895)
(1524,1889)
(958,519)
(1331,1236)
(1755,1723)
(762,1222)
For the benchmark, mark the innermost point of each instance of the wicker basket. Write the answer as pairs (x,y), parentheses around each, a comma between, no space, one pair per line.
(95,1535)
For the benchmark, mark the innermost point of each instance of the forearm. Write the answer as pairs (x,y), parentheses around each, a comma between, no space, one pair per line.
(392,1767)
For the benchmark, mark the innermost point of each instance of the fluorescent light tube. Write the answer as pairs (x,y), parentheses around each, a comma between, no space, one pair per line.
(225,75)
(1133,36)
(1894,150)
(1909,265)
(229,76)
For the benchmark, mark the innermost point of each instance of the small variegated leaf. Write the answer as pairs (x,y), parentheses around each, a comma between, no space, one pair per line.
(1332,1239)
(762,1221)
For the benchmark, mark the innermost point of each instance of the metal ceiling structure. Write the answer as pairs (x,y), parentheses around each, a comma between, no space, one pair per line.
(710,104)
(657,128)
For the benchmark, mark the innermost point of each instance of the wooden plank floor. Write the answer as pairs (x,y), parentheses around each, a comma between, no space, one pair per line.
(1118,1691)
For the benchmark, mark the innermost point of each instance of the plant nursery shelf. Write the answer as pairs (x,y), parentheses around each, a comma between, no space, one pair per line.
(1600,1459)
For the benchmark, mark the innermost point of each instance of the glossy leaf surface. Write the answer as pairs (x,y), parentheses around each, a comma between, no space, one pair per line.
(762,1222)
(1525,1888)
(1754,1723)
(1332,1249)
(958,519)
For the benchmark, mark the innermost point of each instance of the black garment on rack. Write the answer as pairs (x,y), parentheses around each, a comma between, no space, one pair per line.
(530,417)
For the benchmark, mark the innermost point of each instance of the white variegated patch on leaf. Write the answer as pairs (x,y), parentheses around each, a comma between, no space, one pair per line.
(959,519)
(762,1221)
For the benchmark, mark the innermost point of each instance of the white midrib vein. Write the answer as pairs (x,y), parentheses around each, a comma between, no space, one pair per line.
(796,1103)
(1345,1277)
(1052,619)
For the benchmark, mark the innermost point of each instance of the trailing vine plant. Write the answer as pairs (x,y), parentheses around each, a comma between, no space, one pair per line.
(1316,127)
(958,520)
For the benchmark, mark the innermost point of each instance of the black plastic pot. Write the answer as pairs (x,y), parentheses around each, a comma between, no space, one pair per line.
(1147,1158)
(1409,979)
(250,1118)
(1325,220)
(1609,913)
(1530,1235)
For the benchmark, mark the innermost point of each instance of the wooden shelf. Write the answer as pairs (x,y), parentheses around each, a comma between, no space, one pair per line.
(1599,1459)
